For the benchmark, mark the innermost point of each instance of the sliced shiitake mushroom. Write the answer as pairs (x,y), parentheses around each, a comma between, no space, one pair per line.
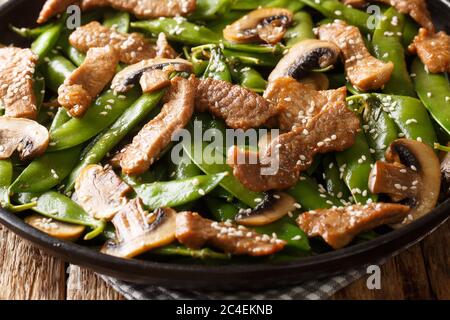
(131,75)
(138,232)
(267,24)
(304,57)
(411,175)
(273,207)
(56,229)
(27,137)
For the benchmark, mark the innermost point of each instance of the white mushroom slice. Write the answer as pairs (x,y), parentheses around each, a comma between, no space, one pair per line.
(25,136)
(56,229)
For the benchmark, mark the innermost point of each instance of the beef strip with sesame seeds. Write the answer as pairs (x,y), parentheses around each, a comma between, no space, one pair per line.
(241,108)
(417,9)
(100,192)
(164,49)
(148,9)
(364,71)
(339,226)
(195,232)
(137,157)
(88,80)
(433,49)
(296,103)
(132,48)
(279,165)
(52,8)
(17,96)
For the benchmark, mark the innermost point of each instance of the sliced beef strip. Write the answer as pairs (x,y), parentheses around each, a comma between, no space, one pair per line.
(364,71)
(17,96)
(164,49)
(433,49)
(339,226)
(132,48)
(88,80)
(417,9)
(52,8)
(196,232)
(241,108)
(147,8)
(296,103)
(100,192)
(280,165)
(137,157)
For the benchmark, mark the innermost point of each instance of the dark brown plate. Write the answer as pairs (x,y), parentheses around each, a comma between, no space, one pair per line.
(230,277)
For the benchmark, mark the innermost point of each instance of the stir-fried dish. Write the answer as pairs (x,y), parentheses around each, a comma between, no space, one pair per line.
(115,133)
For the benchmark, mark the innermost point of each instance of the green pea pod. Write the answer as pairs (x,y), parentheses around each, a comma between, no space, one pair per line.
(251,79)
(118,20)
(60,118)
(302,29)
(56,70)
(6,176)
(47,171)
(43,45)
(179,250)
(177,193)
(39,90)
(105,142)
(221,210)
(252,4)
(337,10)
(387,46)
(31,33)
(308,195)
(210,9)
(434,91)
(70,52)
(106,109)
(61,208)
(410,30)
(333,183)
(218,67)
(186,169)
(252,58)
(356,164)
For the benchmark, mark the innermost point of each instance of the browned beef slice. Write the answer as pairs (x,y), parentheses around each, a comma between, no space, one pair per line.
(333,129)
(132,48)
(241,108)
(164,49)
(154,80)
(417,9)
(137,157)
(196,232)
(433,49)
(52,8)
(339,226)
(88,80)
(364,71)
(16,82)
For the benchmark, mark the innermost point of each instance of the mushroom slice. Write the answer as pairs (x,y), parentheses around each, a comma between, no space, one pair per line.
(267,24)
(138,232)
(272,208)
(100,192)
(27,137)
(339,226)
(412,174)
(131,75)
(305,56)
(56,229)
(195,232)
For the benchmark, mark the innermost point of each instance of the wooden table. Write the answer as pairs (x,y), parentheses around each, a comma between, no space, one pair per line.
(422,272)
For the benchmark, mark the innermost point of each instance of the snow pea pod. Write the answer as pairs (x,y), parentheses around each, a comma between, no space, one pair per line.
(210,9)
(218,67)
(56,70)
(250,78)
(252,58)
(105,142)
(177,193)
(61,208)
(221,210)
(410,30)
(47,171)
(47,40)
(333,183)
(60,118)
(337,10)
(119,20)
(434,91)
(70,52)
(252,4)
(186,169)
(355,164)
(387,47)
(31,33)
(179,250)
(106,109)
(302,29)
(311,196)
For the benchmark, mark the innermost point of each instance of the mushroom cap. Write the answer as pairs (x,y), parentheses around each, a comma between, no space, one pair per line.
(131,75)
(423,193)
(267,24)
(56,229)
(304,57)
(27,137)
(272,208)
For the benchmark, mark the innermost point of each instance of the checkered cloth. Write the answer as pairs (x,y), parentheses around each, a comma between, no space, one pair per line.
(311,290)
